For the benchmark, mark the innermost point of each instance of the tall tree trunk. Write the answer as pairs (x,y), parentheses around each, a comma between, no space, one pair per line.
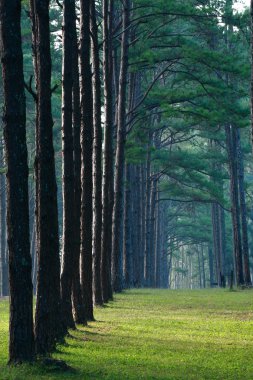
(158,241)
(4,251)
(231,142)
(33,252)
(147,264)
(97,160)
(136,226)
(211,272)
(68,163)
(232,158)
(203,266)
(245,243)
(199,269)
(108,154)
(77,299)
(251,83)
(86,169)
(152,232)
(127,241)
(216,241)
(48,326)
(222,232)
(34,258)
(143,226)
(21,338)
(166,259)
(120,154)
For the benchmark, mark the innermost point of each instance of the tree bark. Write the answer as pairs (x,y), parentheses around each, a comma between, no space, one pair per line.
(158,241)
(4,250)
(107,155)
(232,158)
(147,264)
(136,226)
(143,226)
(203,266)
(128,220)
(97,160)
(48,325)
(216,241)
(86,168)
(152,232)
(245,243)
(211,272)
(68,26)
(199,269)
(222,232)
(21,337)
(77,299)
(117,269)
(251,83)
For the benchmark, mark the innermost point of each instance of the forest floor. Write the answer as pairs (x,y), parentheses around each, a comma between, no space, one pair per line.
(154,334)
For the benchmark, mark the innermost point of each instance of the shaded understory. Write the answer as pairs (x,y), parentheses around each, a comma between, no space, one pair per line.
(154,334)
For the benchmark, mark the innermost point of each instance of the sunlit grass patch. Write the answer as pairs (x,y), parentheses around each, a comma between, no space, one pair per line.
(155,334)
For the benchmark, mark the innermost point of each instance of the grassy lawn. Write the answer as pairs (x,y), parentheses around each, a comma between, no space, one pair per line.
(154,334)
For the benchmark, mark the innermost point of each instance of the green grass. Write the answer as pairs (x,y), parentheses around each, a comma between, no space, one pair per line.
(154,334)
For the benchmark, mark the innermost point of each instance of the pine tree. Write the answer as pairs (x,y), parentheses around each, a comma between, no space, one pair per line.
(21,339)
(48,326)
(86,169)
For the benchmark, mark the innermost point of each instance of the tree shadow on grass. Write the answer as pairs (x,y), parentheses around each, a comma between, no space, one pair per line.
(86,335)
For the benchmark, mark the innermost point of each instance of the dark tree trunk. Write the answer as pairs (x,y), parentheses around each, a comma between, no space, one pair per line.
(77,299)
(136,227)
(147,264)
(33,252)
(232,158)
(231,145)
(143,226)
(158,242)
(245,243)
(211,272)
(222,232)
(152,232)
(199,269)
(68,163)
(169,269)
(97,160)
(203,266)
(127,240)
(4,251)
(108,154)
(251,83)
(117,268)
(21,338)
(216,241)
(86,168)
(48,326)
(34,258)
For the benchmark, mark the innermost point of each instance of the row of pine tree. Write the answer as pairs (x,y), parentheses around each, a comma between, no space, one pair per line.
(125,155)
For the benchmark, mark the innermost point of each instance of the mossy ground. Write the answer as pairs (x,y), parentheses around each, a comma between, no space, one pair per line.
(154,334)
